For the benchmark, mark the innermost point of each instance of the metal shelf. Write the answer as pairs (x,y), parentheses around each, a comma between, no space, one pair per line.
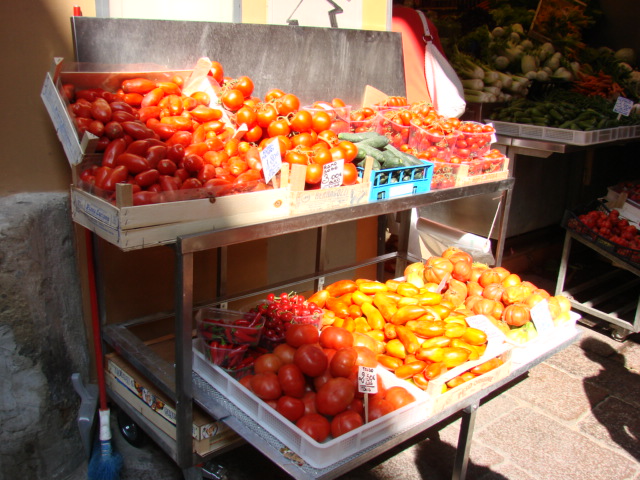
(608,289)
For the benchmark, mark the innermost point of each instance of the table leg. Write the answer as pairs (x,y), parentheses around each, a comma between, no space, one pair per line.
(464,442)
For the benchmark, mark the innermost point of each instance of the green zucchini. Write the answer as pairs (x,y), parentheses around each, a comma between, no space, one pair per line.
(370,151)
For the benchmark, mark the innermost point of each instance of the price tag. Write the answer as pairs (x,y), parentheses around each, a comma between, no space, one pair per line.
(623,106)
(367,380)
(443,283)
(271,160)
(541,317)
(495,336)
(332,174)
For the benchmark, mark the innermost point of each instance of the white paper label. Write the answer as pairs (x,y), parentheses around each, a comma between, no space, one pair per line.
(367,380)
(494,138)
(623,106)
(481,322)
(271,160)
(541,317)
(332,174)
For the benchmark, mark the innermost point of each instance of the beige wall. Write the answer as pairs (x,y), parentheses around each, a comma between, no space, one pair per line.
(33,32)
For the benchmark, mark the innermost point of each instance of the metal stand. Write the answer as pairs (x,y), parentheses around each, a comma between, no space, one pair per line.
(610,289)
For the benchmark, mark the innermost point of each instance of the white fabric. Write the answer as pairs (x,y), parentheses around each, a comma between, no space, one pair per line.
(445,88)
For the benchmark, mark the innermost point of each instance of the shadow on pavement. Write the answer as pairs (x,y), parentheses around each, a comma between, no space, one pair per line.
(618,412)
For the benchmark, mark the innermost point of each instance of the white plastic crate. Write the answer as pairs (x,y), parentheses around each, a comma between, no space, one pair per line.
(563,135)
(317,455)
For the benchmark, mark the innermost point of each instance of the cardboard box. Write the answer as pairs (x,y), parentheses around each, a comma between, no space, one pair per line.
(209,435)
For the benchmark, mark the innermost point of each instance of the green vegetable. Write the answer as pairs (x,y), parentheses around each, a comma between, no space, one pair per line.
(358,137)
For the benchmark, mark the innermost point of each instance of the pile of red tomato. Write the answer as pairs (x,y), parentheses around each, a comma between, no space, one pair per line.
(611,227)
(311,380)
(160,140)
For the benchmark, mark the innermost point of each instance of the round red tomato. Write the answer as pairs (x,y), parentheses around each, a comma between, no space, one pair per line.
(232,99)
(349,174)
(335,396)
(292,380)
(344,422)
(285,352)
(379,407)
(245,85)
(290,408)
(399,396)
(336,338)
(301,333)
(314,425)
(266,386)
(311,360)
(313,174)
(301,121)
(309,399)
(343,362)
(267,362)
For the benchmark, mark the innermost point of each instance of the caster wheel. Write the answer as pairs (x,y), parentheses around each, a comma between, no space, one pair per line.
(130,430)
(620,335)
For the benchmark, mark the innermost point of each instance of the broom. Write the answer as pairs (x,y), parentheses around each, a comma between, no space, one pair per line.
(105,463)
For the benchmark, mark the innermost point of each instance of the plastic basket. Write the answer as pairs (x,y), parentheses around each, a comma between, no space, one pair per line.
(230,326)
(340,116)
(400,181)
(334,450)
(471,145)
(397,133)
(438,146)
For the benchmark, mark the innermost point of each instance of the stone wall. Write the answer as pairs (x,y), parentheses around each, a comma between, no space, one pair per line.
(42,338)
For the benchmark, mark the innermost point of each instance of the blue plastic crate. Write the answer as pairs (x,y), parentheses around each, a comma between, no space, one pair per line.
(400,181)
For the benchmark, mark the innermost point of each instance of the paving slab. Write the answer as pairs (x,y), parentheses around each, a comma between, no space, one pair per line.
(549,450)
(557,393)
(616,424)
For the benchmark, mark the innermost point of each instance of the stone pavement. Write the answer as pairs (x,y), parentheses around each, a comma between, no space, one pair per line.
(575,416)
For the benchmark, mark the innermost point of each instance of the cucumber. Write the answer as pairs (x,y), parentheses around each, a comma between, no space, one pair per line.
(379,141)
(357,137)
(391,160)
(406,159)
(370,151)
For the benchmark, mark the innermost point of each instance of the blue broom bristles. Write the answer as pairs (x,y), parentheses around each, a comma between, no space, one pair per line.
(105,463)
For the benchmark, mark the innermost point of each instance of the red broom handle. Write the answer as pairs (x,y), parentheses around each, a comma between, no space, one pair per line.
(95,320)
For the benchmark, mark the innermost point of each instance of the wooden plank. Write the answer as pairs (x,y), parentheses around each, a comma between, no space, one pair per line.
(314,63)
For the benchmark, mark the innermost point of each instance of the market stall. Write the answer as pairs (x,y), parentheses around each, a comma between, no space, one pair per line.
(170,360)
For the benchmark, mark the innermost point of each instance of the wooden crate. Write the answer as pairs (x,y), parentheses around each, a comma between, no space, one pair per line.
(443,400)
(303,201)
(133,227)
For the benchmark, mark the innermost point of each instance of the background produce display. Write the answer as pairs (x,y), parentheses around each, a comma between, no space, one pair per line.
(507,54)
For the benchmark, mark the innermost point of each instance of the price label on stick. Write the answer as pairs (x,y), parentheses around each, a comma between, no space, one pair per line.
(623,106)
(271,160)
(367,380)
(332,174)
(541,317)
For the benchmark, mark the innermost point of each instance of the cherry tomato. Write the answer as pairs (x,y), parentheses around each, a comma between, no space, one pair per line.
(244,84)
(232,99)
(217,72)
